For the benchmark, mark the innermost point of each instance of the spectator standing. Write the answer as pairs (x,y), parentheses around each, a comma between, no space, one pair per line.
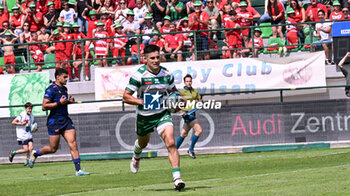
(225,14)
(140,11)
(244,18)
(276,12)
(50,19)
(35,18)
(312,11)
(17,20)
(119,43)
(4,13)
(324,32)
(233,36)
(158,42)
(166,26)
(121,12)
(337,13)
(69,48)
(101,45)
(60,55)
(9,56)
(199,21)
(174,43)
(81,5)
(92,21)
(36,52)
(77,57)
(68,14)
(43,36)
(25,36)
(107,22)
(214,17)
(157,8)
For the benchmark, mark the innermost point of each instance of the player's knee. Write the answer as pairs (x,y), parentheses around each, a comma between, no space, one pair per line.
(170,144)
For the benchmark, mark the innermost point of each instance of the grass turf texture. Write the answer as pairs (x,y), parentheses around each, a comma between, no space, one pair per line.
(302,172)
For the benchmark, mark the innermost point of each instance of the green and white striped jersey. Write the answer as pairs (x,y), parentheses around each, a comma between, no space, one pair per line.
(143,81)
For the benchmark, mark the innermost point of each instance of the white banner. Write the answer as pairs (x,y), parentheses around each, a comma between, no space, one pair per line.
(229,75)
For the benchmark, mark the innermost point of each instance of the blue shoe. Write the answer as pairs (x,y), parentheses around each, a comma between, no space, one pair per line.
(32,159)
(81,173)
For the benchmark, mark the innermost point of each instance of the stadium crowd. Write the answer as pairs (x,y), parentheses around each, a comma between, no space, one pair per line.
(122,21)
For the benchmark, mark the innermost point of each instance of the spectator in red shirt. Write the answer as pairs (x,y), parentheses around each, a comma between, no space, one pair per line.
(159,43)
(69,47)
(292,31)
(36,52)
(244,18)
(92,21)
(312,11)
(60,55)
(35,18)
(165,28)
(119,43)
(250,9)
(101,45)
(300,14)
(17,20)
(233,36)
(336,14)
(107,21)
(135,54)
(131,4)
(276,12)
(258,43)
(174,43)
(198,20)
(224,15)
(41,6)
(77,57)
(4,13)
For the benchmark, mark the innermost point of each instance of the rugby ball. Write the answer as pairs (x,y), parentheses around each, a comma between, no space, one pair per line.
(34,127)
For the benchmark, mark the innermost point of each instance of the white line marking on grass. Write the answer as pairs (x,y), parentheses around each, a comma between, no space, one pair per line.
(143,186)
(294,171)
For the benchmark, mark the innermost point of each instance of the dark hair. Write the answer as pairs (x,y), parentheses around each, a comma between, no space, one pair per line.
(232,13)
(6,21)
(275,7)
(33,32)
(151,48)
(28,105)
(60,71)
(298,6)
(324,13)
(187,76)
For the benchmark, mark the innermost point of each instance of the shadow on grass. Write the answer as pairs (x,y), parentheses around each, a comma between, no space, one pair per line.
(193,188)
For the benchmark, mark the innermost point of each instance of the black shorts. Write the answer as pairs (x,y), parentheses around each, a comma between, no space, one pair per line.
(25,142)
(59,125)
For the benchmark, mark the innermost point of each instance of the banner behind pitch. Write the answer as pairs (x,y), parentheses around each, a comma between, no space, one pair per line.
(231,126)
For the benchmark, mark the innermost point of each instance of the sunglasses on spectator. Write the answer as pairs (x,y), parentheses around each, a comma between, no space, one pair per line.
(122,2)
(209,2)
(154,57)
(26,25)
(344,11)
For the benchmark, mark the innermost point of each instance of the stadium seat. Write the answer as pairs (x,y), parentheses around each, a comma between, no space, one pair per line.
(260,9)
(266,32)
(49,61)
(32,65)
(256,3)
(220,44)
(273,42)
(2,64)
(308,42)
(20,63)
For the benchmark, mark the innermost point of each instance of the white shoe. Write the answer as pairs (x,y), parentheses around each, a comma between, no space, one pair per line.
(87,78)
(134,165)
(179,184)
(32,159)
(81,173)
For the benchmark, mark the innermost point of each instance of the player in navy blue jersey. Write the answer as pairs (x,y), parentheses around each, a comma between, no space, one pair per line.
(58,122)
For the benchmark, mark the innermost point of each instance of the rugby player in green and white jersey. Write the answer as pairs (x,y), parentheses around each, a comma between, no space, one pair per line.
(151,82)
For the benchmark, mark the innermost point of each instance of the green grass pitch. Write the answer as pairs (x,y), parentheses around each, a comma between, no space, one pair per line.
(302,172)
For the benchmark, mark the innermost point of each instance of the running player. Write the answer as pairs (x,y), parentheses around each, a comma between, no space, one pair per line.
(152,79)
(58,122)
(190,94)
(23,124)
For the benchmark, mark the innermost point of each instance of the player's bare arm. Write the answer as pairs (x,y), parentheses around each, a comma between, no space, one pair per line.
(129,99)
